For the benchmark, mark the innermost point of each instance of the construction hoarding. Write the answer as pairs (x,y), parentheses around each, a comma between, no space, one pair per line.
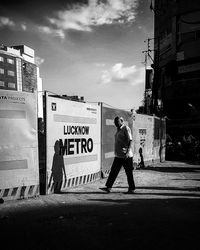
(144,137)
(73,137)
(159,140)
(143,132)
(19,173)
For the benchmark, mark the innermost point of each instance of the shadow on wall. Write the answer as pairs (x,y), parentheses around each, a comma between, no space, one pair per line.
(58,169)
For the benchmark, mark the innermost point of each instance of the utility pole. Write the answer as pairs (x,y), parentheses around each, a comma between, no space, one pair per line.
(148,74)
(148,52)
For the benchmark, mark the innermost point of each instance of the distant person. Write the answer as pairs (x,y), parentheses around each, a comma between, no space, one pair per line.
(123,156)
(188,138)
(141,163)
(188,145)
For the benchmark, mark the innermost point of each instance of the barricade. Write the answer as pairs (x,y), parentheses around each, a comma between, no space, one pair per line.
(73,138)
(19,173)
(143,132)
(146,137)
(159,143)
(107,135)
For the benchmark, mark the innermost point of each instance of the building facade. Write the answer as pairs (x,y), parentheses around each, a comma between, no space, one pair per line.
(19,72)
(176,85)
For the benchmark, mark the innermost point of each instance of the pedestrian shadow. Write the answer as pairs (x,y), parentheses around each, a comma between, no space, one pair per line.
(114,191)
(58,169)
(84,192)
(186,179)
(188,195)
(172,169)
(182,193)
(163,188)
(133,197)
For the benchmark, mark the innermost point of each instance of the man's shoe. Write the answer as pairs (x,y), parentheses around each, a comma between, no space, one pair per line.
(105,189)
(130,191)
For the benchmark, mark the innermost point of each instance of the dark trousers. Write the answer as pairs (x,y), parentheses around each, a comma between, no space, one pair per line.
(116,166)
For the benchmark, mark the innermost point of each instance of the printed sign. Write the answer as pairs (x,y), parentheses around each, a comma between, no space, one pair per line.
(143,137)
(73,129)
(19,143)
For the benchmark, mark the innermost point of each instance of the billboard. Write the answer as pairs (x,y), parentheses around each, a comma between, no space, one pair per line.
(19,173)
(73,142)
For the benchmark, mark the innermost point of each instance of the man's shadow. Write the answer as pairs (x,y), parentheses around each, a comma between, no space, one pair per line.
(58,169)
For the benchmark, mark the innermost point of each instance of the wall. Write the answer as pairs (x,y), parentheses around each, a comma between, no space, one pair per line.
(107,135)
(144,136)
(19,173)
(75,128)
(143,129)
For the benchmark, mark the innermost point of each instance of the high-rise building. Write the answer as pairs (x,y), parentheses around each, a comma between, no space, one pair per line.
(176,85)
(19,72)
(148,91)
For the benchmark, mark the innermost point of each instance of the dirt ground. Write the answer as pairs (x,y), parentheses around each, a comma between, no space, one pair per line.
(164,213)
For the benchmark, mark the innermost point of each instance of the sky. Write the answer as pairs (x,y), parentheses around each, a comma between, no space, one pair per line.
(89,48)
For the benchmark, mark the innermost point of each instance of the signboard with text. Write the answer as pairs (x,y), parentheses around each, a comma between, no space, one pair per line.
(143,137)
(74,129)
(19,143)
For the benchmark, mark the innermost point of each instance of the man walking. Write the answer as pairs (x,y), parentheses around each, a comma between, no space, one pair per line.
(123,156)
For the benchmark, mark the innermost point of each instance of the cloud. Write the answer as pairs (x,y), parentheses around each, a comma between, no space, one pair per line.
(23,27)
(95,13)
(39,60)
(51,31)
(9,23)
(75,19)
(5,21)
(132,75)
(100,65)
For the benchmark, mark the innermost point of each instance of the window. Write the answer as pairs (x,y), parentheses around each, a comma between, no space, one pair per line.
(1,71)
(11,85)
(2,84)
(1,59)
(11,73)
(9,60)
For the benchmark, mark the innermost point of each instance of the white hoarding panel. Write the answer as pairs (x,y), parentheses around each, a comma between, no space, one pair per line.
(19,171)
(75,128)
(143,137)
(159,139)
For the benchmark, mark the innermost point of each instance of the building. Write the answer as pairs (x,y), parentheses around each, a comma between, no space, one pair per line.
(148,90)
(19,72)
(176,85)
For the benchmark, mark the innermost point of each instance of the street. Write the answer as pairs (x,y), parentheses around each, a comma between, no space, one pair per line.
(164,213)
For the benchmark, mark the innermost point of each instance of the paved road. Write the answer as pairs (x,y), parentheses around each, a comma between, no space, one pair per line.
(164,213)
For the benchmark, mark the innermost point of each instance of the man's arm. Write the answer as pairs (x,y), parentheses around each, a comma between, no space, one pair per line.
(129,135)
(129,148)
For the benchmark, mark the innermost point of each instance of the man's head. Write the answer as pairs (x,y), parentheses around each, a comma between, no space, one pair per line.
(119,121)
